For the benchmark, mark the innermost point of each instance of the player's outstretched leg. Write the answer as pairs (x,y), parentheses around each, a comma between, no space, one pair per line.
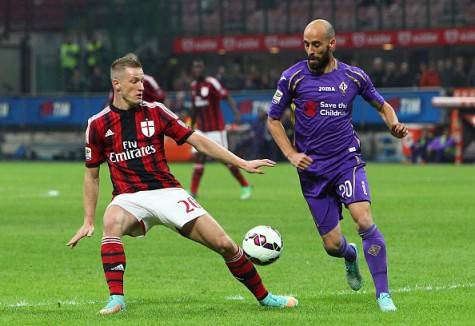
(245,272)
(246,189)
(374,248)
(113,261)
(196,178)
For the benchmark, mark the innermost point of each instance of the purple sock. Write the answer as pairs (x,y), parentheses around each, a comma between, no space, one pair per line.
(345,251)
(348,252)
(374,248)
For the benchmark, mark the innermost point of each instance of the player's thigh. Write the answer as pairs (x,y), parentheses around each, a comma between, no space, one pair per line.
(332,239)
(207,231)
(352,190)
(118,221)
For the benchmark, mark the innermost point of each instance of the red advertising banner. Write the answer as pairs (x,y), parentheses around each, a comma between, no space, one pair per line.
(282,42)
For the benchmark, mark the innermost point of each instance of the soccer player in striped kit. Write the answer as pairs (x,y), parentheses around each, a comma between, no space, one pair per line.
(129,135)
(206,94)
(327,153)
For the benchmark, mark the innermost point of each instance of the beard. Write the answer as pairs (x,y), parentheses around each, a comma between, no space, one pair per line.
(319,64)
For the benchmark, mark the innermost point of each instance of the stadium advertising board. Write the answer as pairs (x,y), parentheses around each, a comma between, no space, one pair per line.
(411,106)
(402,38)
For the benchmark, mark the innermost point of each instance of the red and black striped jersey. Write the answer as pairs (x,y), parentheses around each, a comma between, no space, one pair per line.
(206,95)
(132,143)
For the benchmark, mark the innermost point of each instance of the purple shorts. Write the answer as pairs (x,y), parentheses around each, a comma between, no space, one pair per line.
(325,194)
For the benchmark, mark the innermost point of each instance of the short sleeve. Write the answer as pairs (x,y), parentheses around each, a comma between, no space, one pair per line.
(369,92)
(220,90)
(94,146)
(281,99)
(172,126)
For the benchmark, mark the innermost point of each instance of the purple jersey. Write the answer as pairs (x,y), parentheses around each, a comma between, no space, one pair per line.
(321,108)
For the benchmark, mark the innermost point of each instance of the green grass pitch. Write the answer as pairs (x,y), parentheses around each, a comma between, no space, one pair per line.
(427,214)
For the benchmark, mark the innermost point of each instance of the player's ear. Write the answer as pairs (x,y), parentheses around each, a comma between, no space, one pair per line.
(333,44)
(116,84)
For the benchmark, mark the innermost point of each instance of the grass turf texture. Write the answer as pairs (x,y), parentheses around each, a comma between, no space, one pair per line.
(425,212)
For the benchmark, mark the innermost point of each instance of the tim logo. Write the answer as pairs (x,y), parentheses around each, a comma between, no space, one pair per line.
(310,108)
(148,128)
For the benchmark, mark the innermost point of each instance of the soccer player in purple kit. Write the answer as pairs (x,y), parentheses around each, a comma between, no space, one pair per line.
(327,154)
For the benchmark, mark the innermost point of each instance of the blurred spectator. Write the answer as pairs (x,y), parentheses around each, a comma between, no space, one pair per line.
(70,52)
(442,148)
(182,81)
(444,67)
(471,75)
(459,75)
(236,79)
(377,72)
(94,56)
(429,75)
(419,147)
(221,76)
(390,76)
(253,78)
(404,78)
(77,84)
(99,81)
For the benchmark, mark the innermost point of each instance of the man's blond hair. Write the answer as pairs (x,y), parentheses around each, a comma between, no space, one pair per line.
(130,60)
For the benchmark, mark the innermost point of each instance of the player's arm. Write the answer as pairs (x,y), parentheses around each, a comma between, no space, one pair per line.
(233,105)
(207,146)
(91,193)
(276,129)
(387,113)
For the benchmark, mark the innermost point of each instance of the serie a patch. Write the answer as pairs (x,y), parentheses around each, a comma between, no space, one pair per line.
(277,97)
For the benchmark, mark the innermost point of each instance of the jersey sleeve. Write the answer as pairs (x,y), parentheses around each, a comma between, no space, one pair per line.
(219,88)
(94,146)
(369,92)
(281,99)
(173,127)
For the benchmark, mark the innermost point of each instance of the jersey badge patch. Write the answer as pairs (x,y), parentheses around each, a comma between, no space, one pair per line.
(343,88)
(277,97)
(88,153)
(148,128)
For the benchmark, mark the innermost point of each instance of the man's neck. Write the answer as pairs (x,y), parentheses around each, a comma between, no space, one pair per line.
(120,104)
(332,65)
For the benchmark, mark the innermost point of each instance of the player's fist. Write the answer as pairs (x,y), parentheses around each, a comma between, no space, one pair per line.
(399,130)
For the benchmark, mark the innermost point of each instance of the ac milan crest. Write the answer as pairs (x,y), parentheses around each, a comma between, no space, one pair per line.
(148,128)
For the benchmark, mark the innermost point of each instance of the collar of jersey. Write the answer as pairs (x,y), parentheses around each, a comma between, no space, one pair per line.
(129,111)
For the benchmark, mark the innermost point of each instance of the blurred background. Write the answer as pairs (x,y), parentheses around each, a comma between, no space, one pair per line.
(55,57)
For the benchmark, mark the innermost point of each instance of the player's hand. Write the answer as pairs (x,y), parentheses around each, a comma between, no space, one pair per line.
(87,230)
(253,166)
(399,130)
(300,160)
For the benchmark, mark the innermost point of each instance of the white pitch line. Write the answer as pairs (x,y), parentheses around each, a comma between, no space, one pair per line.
(238,297)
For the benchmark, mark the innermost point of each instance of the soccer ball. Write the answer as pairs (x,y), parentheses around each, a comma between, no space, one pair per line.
(263,245)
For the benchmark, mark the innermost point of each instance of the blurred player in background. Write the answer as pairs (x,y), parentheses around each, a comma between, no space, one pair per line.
(128,134)
(327,152)
(152,92)
(206,93)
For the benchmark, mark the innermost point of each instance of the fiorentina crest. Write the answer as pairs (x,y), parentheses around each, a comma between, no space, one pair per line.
(148,128)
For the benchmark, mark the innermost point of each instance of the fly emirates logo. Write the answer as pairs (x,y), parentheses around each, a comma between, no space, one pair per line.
(131,151)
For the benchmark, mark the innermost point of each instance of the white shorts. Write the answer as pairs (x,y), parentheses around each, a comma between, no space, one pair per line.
(218,136)
(172,207)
